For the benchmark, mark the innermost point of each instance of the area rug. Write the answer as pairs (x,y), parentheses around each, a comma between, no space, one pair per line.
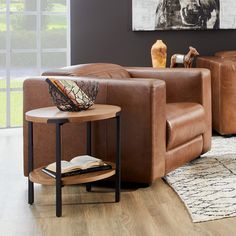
(207,185)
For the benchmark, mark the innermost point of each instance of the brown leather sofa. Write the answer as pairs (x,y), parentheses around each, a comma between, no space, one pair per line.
(223,84)
(166,118)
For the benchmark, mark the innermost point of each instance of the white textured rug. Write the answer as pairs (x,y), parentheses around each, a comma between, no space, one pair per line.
(207,185)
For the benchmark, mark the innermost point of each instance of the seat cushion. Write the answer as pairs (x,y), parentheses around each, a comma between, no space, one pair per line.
(185,121)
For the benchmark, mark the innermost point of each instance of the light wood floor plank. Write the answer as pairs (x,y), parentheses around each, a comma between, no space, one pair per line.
(155,210)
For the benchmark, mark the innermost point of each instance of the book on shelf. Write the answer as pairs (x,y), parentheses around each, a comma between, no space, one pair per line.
(77,165)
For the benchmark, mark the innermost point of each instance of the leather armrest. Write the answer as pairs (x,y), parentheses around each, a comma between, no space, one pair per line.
(143,125)
(183,85)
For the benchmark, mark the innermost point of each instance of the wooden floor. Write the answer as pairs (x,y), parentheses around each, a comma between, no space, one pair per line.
(155,210)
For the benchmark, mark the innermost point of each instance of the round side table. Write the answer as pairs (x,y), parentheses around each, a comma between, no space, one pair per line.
(51,115)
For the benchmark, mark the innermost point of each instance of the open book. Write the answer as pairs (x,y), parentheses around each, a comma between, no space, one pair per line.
(77,165)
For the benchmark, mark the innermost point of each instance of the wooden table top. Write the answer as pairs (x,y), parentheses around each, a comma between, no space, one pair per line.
(50,114)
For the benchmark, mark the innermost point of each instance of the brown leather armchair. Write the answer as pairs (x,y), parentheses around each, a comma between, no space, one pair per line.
(166,118)
(226,54)
(223,84)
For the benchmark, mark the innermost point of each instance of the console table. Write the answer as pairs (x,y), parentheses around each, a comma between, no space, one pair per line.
(51,115)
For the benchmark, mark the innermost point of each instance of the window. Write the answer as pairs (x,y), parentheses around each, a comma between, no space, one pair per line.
(34,36)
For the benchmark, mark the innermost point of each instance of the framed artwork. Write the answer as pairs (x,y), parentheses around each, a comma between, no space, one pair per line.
(183,14)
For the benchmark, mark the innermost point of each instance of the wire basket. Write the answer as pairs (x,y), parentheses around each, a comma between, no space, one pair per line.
(84,97)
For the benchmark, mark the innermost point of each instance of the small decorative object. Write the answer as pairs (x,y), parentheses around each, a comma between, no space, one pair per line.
(186,60)
(69,95)
(158,53)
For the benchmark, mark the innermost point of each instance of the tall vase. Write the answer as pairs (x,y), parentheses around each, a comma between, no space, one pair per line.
(159,54)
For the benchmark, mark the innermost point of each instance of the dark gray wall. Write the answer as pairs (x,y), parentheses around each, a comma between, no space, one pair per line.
(101,31)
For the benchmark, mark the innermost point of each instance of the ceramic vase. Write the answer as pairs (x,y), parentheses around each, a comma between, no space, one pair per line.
(159,54)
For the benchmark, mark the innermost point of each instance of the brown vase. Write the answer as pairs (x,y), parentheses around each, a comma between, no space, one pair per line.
(159,54)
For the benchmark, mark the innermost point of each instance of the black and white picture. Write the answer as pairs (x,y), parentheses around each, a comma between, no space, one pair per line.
(184,14)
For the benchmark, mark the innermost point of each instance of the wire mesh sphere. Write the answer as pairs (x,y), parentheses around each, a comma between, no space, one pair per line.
(79,99)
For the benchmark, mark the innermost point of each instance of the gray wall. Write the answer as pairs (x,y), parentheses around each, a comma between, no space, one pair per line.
(101,31)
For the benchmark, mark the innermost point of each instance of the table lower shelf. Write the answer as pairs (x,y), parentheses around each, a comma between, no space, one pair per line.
(38,176)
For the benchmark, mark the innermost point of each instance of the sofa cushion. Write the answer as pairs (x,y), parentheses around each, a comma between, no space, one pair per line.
(102,70)
(185,121)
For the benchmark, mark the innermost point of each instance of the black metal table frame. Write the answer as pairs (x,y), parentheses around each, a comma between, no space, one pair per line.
(59,123)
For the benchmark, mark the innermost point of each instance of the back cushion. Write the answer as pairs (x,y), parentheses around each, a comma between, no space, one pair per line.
(101,70)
